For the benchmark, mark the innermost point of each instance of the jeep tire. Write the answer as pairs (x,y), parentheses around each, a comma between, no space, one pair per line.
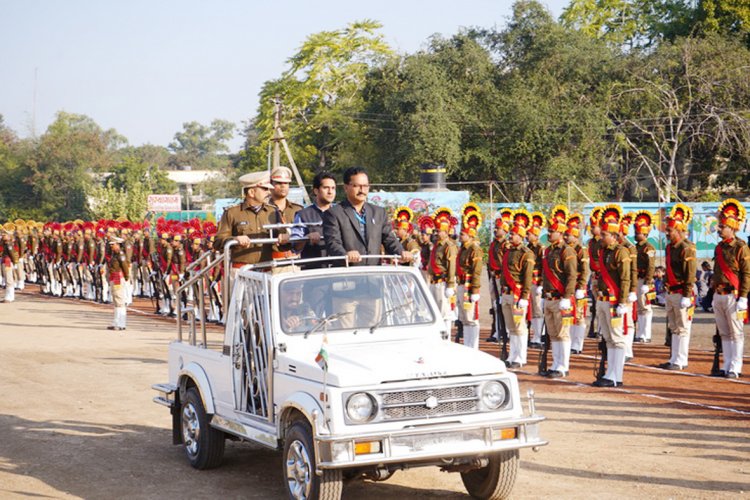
(204,445)
(496,480)
(298,467)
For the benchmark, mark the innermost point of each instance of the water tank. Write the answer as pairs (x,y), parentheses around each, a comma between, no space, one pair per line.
(432,177)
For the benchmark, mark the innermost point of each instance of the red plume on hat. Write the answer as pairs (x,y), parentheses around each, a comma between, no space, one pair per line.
(574,223)
(731,213)
(679,217)
(470,207)
(610,219)
(521,222)
(505,219)
(625,221)
(195,224)
(643,221)
(557,219)
(402,218)
(537,223)
(471,222)
(444,219)
(209,228)
(426,224)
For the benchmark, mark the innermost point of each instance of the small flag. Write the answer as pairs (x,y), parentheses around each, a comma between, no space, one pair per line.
(322,357)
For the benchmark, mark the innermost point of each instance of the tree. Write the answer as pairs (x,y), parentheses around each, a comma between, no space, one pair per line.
(321,94)
(72,149)
(683,110)
(200,146)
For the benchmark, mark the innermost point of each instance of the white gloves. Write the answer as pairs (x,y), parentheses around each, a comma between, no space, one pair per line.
(742,304)
(621,310)
(539,290)
(685,302)
(580,294)
(449,292)
(565,304)
(632,297)
(645,289)
(523,303)
(475,297)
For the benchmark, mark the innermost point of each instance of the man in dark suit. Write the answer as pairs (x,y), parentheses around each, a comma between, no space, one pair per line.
(355,227)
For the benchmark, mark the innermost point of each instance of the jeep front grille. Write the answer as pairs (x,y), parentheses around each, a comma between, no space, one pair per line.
(428,403)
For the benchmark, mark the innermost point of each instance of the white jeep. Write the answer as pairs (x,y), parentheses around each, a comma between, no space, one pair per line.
(350,372)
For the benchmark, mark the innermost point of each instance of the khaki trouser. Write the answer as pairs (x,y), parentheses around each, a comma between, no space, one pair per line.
(515,324)
(536,304)
(118,294)
(553,321)
(443,303)
(643,304)
(725,312)
(612,328)
(677,318)
(468,312)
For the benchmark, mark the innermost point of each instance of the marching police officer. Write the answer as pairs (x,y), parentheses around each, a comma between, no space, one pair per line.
(516,281)
(645,264)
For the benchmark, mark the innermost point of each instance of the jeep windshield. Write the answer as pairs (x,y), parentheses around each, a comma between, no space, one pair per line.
(352,301)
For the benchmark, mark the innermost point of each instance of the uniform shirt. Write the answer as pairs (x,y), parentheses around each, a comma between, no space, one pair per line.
(520,263)
(538,250)
(646,261)
(119,264)
(737,258)
(616,260)
(166,253)
(562,263)
(469,265)
(442,264)
(495,256)
(243,220)
(681,261)
(633,264)
(178,261)
(594,247)
(9,253)
(582,267)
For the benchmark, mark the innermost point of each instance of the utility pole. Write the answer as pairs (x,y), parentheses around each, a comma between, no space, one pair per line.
(278,141)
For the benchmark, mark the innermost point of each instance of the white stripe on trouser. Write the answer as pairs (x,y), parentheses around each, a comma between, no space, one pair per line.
(577,334)
(471,336)
(561,356)
(733,355)
(680,346)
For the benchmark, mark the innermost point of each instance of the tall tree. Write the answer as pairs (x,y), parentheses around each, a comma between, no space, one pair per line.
(201,146)
(321,94)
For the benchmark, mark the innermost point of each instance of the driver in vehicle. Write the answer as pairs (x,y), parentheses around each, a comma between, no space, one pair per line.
(296,316)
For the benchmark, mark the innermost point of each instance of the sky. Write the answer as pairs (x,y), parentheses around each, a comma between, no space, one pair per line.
(145,67)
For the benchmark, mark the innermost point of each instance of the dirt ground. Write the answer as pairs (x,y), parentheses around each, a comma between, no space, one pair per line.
(77,421)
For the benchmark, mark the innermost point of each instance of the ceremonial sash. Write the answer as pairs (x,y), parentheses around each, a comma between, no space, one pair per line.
(436,271)
(515,287)
(494,265)
(671,279)
(733,279)
(592,261)
(553,279)
(116,278)
(611,286)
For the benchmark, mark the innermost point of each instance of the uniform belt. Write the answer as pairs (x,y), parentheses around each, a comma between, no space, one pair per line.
(551,295)
(724,289)
(287,254)
(436,281)
(237,265)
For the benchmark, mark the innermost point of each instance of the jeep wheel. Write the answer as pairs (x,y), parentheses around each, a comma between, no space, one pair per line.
(496,480)
(299,467)
(204,445)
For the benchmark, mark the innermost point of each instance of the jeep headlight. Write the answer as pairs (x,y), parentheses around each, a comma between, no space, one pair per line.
(361,407)
(494,394)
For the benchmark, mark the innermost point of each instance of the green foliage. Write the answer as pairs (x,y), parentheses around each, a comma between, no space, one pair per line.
(200,146)
(321,93)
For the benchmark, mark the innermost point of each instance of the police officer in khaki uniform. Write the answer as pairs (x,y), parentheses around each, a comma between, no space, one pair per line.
(469,274)
(245,221)
(594,246)
(281,178)
(731,284)
(498,246)
(442,266)
(625,221)
(578,328)
(515,285)
(535,245)
(403,227)
(560,270)
(8,260)
(680,266)
(613,288)
(119,274)
(645,265)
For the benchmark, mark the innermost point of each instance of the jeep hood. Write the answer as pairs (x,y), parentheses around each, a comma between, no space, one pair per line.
(379,362)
